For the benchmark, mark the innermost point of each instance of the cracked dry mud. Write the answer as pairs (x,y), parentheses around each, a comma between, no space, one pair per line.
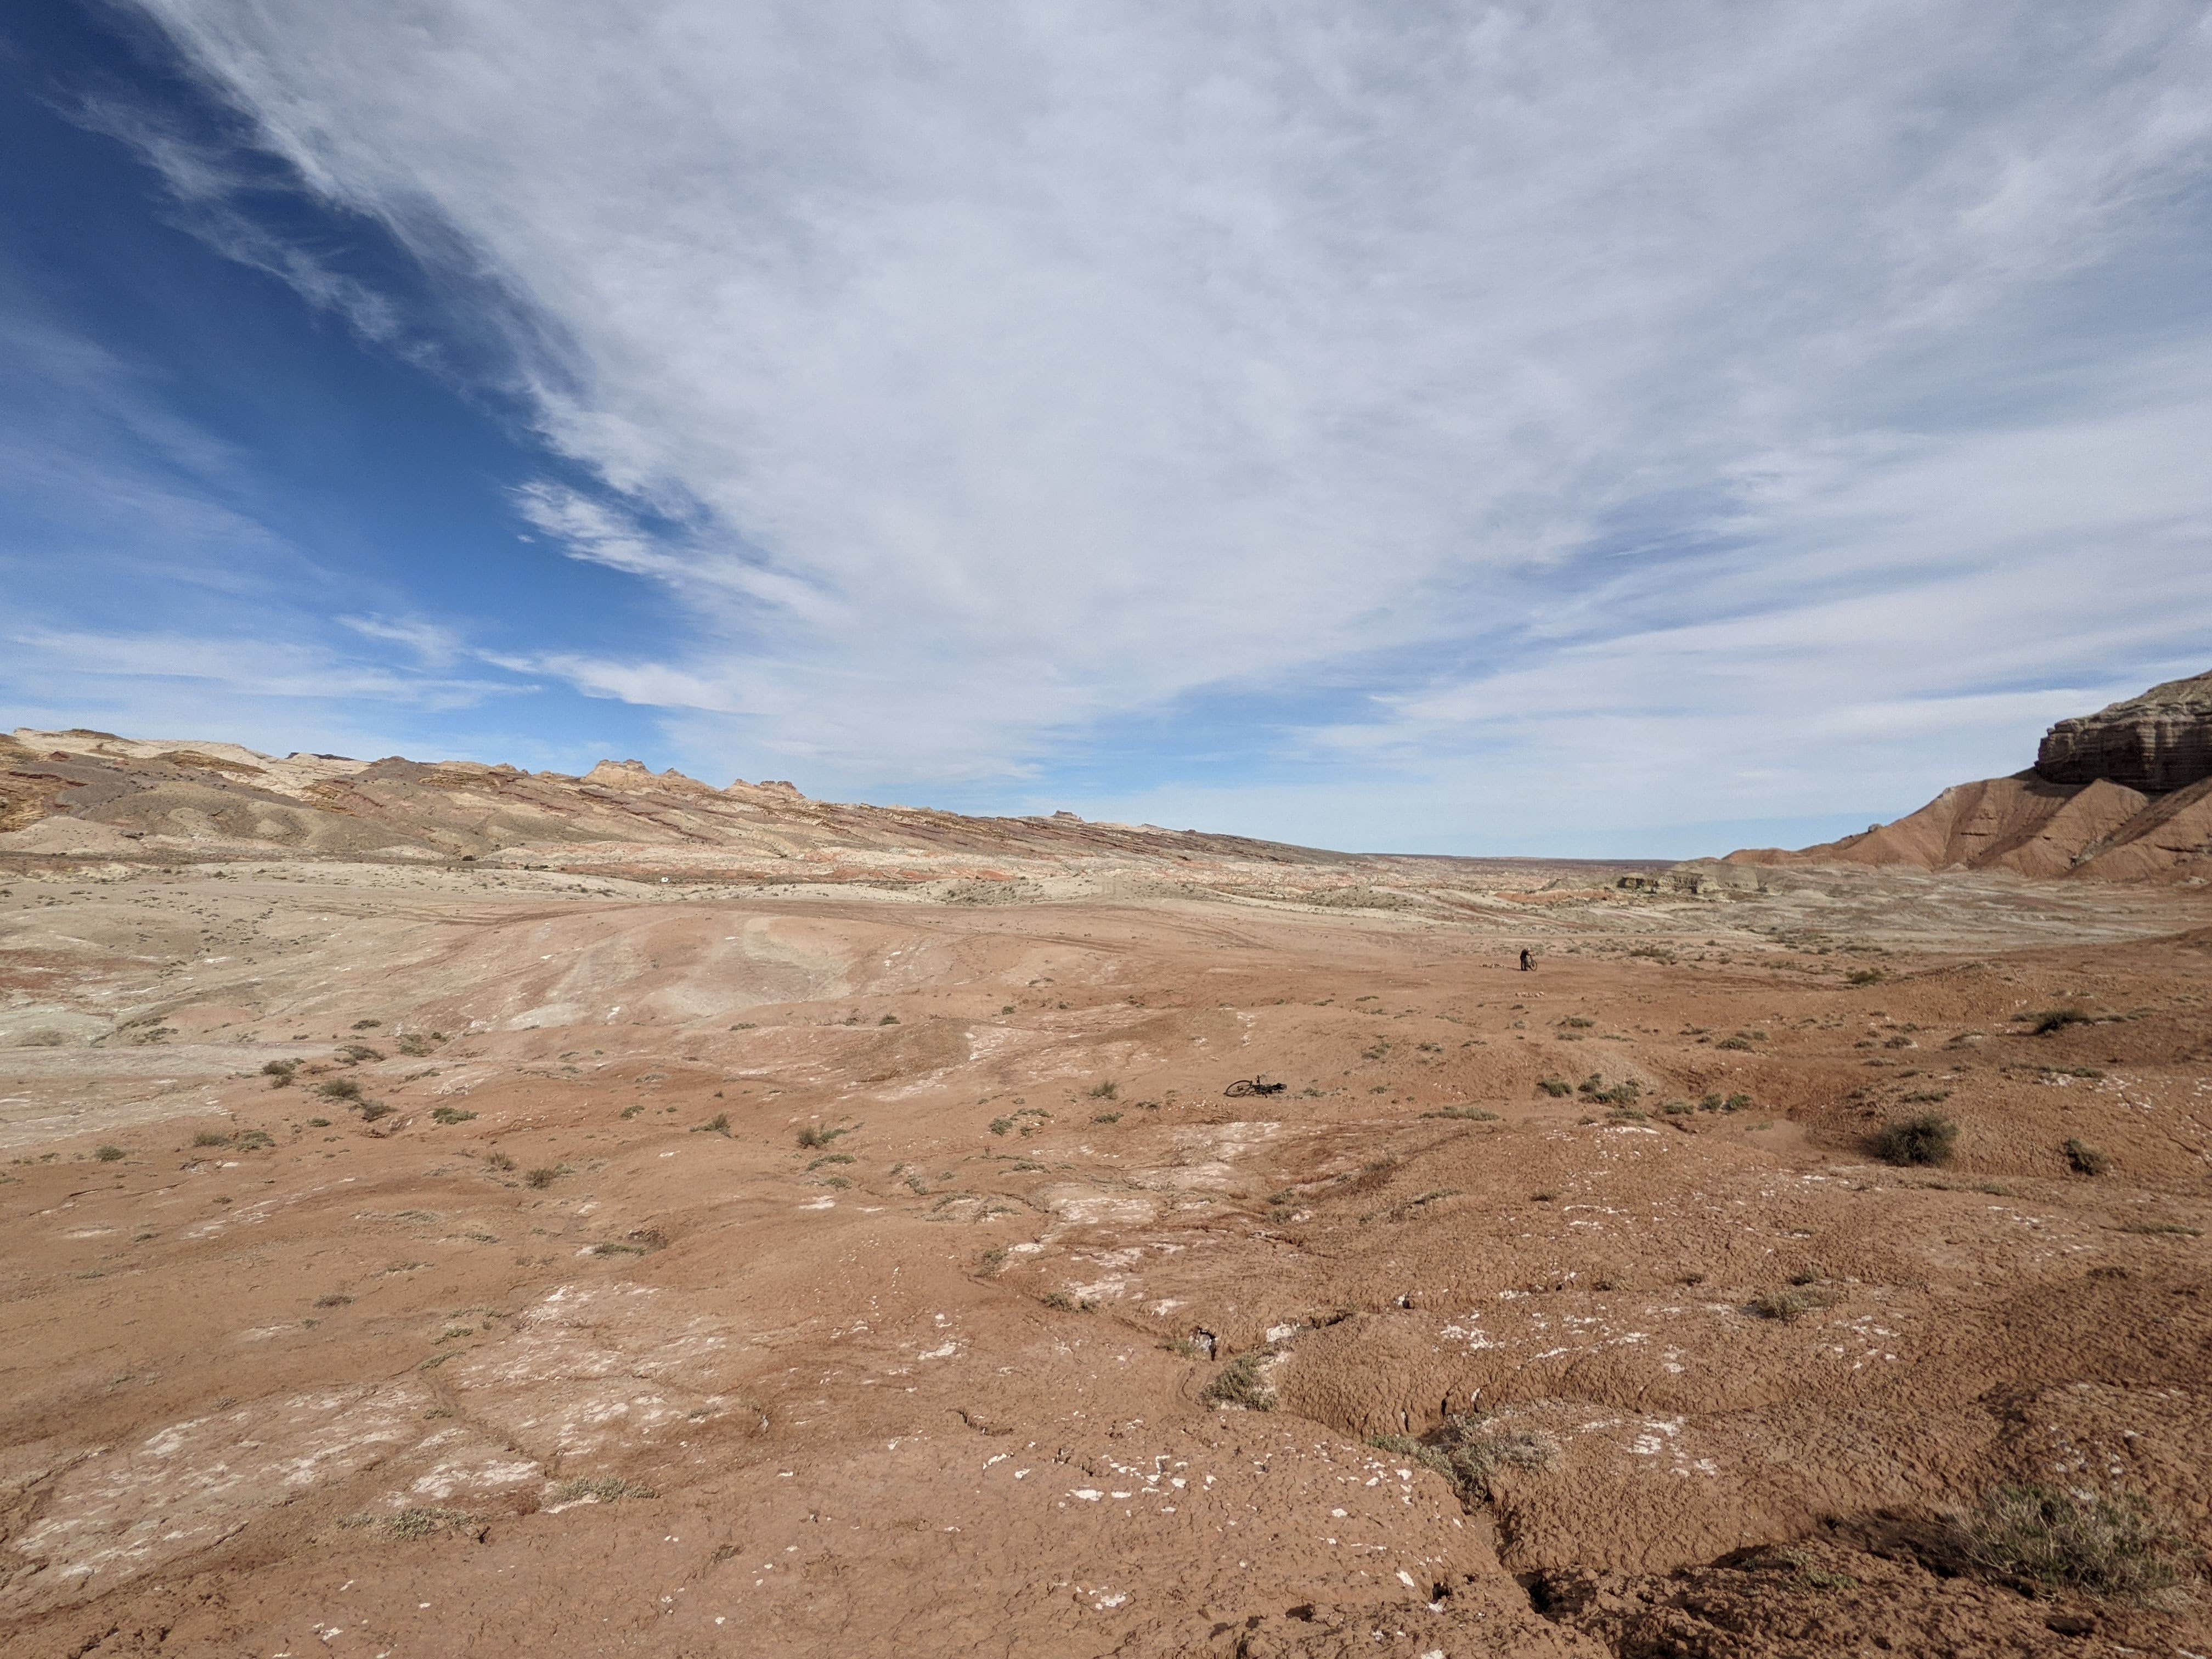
(826,1273)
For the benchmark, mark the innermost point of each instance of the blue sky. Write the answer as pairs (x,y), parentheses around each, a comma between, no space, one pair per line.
(1484,428)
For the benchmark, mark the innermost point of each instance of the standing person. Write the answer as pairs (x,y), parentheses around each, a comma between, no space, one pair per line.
(1528,961)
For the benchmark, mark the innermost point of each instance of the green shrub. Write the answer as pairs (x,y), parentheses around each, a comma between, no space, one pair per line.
(544,1175)
(1106,1091)
(450,1115)
(1927,1138)
(815,1135)
(1555,1087)
(111,1154)
(210,1137)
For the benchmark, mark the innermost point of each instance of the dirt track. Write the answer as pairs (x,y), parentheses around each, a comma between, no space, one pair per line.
(935,1384)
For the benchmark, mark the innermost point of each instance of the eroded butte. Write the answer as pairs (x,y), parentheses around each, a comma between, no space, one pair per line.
(409,1256)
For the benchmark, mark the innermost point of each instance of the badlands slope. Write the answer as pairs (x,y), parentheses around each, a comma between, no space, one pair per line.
(2124,795)
(447,1211)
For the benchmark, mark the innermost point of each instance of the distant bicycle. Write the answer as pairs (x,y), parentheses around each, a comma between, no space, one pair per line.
(1254,1085)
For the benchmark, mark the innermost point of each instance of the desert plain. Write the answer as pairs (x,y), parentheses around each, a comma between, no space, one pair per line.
(755,1230)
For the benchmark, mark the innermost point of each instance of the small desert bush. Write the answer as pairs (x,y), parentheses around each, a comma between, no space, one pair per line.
(1469,1453)
(279,1072)
(1927,1138)
(1863,976)
(339,1088)
(450,1115)
(1240,1382)
(210,1137)
(499,1160)
(1623,1093)
(373,1109)
(2082,1538)
(415,1524)
(110,1155)
(1106,1117)
(255,1140)
(2085,1159)
(1467,1114)
(1555,1087)
(720,1125)
(367,1025)
(1106,1091)
(2056,1019)
(544,1175)
(889,1019)
(599,1489)
(814,1135)
(1791,1305)
(1399,1445)
(354,1053)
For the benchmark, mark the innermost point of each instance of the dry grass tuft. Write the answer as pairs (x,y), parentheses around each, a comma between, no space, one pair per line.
(1241,1383)
(2080,1537)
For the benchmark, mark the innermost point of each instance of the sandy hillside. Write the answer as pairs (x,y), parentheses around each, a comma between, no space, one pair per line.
(507,1218)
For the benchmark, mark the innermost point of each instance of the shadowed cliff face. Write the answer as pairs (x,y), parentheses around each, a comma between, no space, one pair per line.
(2159,741)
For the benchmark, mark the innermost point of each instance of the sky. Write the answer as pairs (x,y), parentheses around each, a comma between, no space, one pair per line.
(1607,430)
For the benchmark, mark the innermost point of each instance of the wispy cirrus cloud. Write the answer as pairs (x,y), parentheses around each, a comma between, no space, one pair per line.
(1559,394)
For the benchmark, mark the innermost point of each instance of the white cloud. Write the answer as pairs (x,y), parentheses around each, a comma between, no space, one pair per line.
(1618,385)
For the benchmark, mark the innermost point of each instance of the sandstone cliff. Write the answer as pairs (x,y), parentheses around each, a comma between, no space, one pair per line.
(2158,742)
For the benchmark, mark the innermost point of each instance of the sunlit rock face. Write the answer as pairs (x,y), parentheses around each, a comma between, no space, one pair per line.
(2159,741)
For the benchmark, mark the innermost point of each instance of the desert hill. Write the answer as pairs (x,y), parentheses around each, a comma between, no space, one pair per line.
(2124,795)
(83,794)
(82,790)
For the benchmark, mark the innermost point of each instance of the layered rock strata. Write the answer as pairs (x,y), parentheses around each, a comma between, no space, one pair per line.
(2156,742)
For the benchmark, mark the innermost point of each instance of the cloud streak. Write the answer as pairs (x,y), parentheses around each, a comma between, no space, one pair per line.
(1541,382)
